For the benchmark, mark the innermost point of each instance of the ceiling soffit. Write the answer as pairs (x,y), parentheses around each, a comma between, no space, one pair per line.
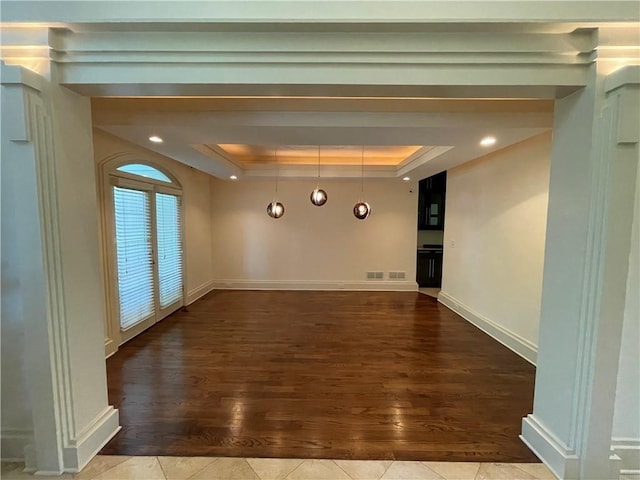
(237,136)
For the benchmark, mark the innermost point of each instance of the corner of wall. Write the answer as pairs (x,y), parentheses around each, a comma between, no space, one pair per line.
(199,291)
(509,339)
(560,459)
(91,440)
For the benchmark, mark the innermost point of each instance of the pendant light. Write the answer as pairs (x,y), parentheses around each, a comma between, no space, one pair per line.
(318,196)
(275,209)
(362,210)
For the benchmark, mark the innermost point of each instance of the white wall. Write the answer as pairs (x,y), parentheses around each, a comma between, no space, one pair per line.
(16,429)
(312,247)
(626,421)
(495,224)
(196,201)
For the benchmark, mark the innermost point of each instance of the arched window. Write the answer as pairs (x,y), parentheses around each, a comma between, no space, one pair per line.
(144,171)
(146,255)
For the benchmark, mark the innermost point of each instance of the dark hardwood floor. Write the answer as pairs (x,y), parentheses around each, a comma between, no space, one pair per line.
(341,375)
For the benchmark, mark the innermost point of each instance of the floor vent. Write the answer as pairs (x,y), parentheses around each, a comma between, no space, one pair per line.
(375,275)
(397,275)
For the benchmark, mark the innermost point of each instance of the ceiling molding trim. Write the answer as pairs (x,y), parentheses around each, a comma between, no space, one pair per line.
(144,63)
(305,11)
(218,154)
(332,171)
(422,159)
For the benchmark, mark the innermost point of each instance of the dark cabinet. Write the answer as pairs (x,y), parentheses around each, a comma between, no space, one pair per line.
(431,199)
(429,271)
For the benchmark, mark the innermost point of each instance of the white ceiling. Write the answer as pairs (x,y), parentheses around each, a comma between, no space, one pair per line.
(448,130)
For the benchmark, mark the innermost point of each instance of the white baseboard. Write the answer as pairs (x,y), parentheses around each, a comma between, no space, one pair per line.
(199,292)
(13,444)
(30,458)
(509,339)
(392,286)
(91,440)
(561,460)
(110,347)
(628,449)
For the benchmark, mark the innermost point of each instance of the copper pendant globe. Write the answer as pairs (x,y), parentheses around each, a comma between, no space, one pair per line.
(275,209)
(318,197)
(361,210)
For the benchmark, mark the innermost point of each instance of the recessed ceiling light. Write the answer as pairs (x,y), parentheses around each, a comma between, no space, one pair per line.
(233,177)
(488,141)
(406,179)
(155,139)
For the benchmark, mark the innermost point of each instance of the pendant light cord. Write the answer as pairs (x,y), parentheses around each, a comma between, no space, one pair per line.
(275,154)
(318,182)
(362,176)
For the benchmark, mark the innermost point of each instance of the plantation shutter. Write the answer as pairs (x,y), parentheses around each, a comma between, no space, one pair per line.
(134,254)
(168,232)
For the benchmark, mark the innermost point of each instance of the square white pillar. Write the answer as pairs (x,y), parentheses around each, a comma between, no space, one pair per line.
(47,143)
(591,196)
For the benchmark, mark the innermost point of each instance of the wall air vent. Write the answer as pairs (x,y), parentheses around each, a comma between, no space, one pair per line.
(375,275)
(397,275)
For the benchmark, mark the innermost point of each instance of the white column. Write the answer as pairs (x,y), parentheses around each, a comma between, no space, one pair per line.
(591,196)
(626,425)
(16,432)
(47,147)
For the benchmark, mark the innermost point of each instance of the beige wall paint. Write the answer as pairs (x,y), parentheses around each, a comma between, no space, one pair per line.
(324,244)
(496,212)
(197,213)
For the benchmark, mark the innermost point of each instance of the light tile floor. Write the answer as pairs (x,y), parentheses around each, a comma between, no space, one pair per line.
(210,468)
(111,467)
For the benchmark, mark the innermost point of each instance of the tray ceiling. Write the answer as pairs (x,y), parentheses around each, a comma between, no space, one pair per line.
(247,156)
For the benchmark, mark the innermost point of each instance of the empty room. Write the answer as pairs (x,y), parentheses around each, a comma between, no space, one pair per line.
(333,240)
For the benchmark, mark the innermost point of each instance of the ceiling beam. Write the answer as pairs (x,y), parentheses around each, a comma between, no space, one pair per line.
(317,11)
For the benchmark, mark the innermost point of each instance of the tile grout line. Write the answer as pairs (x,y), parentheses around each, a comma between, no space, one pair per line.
(346,473)
(291,472)
(477,471)
(387,469)
(215,459)
(246,460)
(108,469)
(161,467)
(437,473)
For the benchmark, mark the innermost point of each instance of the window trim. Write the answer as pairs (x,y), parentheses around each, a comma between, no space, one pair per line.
(108,175)
(113,166)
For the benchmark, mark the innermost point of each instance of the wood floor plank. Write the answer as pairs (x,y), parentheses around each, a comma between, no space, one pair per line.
(342,375)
